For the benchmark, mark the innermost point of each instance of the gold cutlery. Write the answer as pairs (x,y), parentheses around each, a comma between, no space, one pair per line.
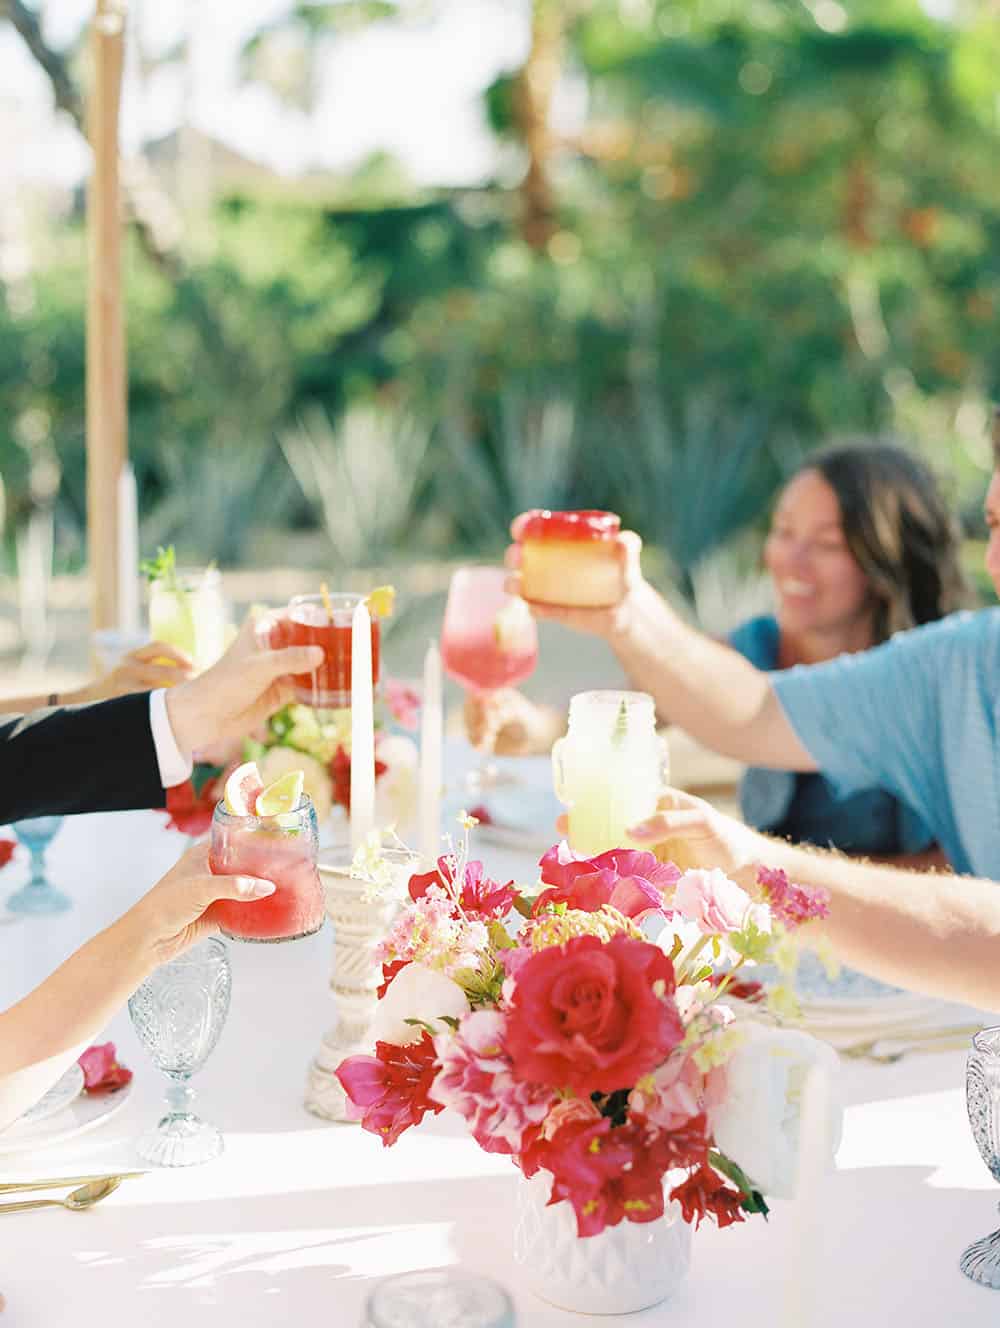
(85,1197)
(58,1183)
(931,1039)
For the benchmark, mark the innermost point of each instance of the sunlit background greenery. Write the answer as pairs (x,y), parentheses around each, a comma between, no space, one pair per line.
(774,224)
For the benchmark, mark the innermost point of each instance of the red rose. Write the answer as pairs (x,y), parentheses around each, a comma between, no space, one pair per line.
(593,1016)
(391,1088)
(7,847)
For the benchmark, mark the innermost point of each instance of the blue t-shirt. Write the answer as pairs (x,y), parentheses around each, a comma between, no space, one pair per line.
(807,808)
(917,716)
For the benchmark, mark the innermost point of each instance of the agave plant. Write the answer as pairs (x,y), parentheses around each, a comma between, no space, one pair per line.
(524,457)
(689,475)
(215,498)
(360,476)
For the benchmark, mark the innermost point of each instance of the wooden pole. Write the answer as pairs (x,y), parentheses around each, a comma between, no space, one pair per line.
(107,444)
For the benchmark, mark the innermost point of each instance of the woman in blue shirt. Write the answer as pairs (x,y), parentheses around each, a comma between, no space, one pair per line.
(861,546)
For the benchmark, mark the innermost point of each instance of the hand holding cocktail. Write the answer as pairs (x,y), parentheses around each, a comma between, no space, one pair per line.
(576,568)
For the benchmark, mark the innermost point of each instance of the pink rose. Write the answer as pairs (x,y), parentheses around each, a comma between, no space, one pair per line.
(712,901)
(593,1016)
(476,1080)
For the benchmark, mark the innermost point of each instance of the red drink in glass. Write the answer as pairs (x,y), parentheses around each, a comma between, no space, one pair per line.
(282,849)
(312,620)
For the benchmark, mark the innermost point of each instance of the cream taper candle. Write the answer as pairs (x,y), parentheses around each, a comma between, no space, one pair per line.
(431,728)
(362,728)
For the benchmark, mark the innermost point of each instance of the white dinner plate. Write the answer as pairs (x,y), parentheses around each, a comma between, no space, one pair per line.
(85,1113)
(64,1091)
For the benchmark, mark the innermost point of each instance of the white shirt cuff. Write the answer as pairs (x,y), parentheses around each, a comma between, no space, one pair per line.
(175,767)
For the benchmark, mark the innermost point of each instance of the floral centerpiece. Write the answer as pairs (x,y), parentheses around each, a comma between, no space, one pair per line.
(608,1064)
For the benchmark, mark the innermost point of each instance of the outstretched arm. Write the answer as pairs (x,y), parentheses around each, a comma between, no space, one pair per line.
(705,687)
(48,1028)
(938,934)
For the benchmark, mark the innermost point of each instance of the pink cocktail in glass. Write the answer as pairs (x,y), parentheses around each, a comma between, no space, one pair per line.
(282,849)
(489,639)
(312,620)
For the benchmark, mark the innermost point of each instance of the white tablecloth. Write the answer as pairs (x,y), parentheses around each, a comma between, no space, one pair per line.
(298,1217)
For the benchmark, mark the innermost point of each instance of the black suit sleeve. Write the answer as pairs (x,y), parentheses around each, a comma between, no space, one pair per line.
(88,758)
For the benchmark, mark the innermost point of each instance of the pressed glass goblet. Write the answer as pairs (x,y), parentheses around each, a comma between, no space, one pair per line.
(39,895)
(439,1298)
(178,1014)
(981,1261)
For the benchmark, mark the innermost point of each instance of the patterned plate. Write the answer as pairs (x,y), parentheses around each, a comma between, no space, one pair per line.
(64,1091)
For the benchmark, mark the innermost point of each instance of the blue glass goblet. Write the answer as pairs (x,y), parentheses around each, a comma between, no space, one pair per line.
(39,895)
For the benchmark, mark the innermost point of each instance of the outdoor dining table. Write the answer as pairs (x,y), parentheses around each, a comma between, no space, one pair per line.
(299,1218)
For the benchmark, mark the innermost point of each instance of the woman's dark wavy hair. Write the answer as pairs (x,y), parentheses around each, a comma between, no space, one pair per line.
(900,530)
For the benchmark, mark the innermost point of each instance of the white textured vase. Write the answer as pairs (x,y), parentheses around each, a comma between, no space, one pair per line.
(626,1268)
(360,922)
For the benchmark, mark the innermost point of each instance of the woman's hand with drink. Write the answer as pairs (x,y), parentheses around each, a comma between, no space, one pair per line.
(174,915)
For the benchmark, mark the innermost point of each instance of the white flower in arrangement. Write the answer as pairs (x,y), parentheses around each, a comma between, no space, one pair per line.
(422,993)
(277,761)
(756,1121)
(397,788)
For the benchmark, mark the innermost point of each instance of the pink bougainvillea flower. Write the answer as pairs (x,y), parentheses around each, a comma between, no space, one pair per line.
(391,1089)
(480,896)
(101,1071)
(632,881)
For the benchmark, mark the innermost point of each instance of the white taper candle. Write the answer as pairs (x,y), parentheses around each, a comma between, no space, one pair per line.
(431,728)
(128,553)
(362,728)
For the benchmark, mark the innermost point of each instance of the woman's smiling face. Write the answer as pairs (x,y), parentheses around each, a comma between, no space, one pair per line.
(819,584)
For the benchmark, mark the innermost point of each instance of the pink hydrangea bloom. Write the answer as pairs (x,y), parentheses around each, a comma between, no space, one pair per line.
(429,932)
(475,1079)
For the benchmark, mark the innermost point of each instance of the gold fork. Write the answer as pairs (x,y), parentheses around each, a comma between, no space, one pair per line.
(10,1187)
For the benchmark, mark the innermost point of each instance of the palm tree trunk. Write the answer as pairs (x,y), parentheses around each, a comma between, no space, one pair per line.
(534,93)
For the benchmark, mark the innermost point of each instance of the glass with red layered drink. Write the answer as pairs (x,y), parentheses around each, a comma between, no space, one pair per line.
(488,641)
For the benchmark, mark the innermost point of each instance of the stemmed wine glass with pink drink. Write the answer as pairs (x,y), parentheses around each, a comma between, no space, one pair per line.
(488,641)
